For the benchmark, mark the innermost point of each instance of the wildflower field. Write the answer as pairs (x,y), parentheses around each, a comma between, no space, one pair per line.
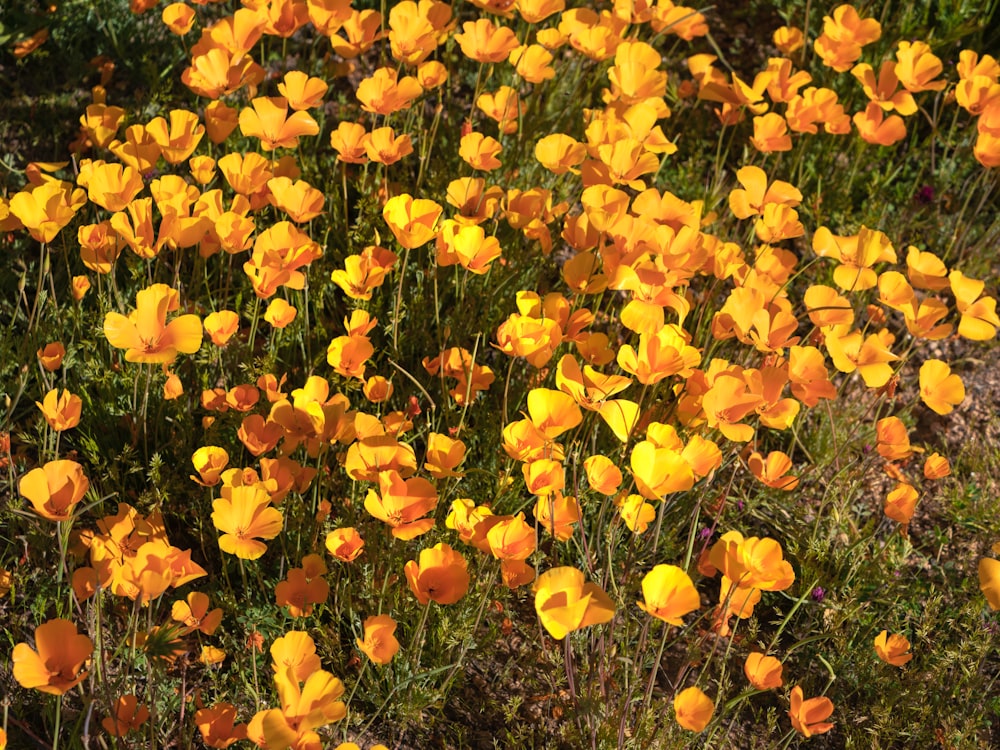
(499,374)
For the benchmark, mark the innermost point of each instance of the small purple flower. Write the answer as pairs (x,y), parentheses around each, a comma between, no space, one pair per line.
(925,195)
(818,593)
(705,533)
(739,505)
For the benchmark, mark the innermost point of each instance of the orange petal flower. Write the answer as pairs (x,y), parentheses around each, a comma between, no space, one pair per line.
(61,410)
(564,602)
(411,220)
(44,210)
(267,118)
(402,503)
(763,672)
(379,643)
(245,517)
(194,613)
(892,649)
(693,709)
(145,334)
(129,716)
(218,726)
(345,544)
(55,667)
(989,580)
(55,489)
(440,576)
(940,389)
(669,594)
(809,716)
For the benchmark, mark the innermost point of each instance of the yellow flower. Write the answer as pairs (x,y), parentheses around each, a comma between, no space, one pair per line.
(565,603)
(669,594)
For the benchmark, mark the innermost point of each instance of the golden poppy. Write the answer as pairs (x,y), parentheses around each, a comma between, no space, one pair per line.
(55,667)
(440,576)
(892,649)
(379,643)
(145,334)
(693,709)
(763,672)
(55,488)
(245,516)
(809,717)
(669,594)
(564,602)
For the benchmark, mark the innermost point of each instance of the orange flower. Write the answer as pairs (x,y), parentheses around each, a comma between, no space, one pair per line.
(218,727)
(892,649)
(178,140)
(485,42)
(267,118)
(411,220)
(383,146)
(503,106)
(179,18)
(299,593)
(55,489)
(809,716)
(979,320)
(693,709)
(402,504)
(764,672)
(51,355)
(901,502)
(788,39)
(244,516)
(603,474)
(55,667)
(145,334)
(295,651)
(440,576)
(45,209)
(564,602)
(61,411)
(936,467)
(195,615)
(443,455)
(301,90)
(345,544)
(384,93)
(379,643)
(556,513)
(637,513)
(874,127)
(358,34)
(300,200)
(348,140)
(752,562)
(129,716)
(770,133)
(773,470)
(209,461)
(279,313)
(989,579)
(26,46)
(80,285)
(669,594)
(893,442)
(480,152)
(940,389)
(220,326)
